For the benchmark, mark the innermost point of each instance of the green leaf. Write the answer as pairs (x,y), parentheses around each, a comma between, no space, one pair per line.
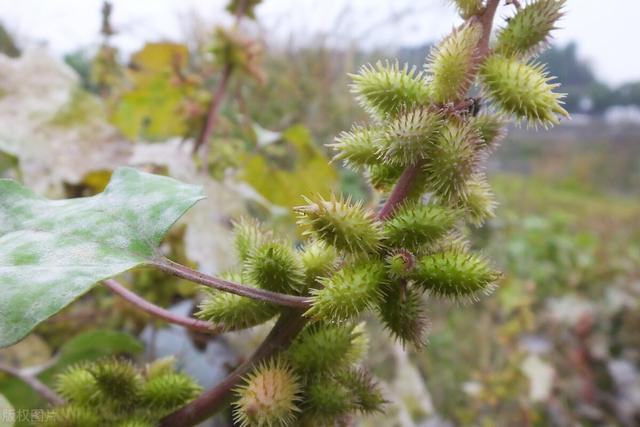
(151,109)
(53,251)
(97,343)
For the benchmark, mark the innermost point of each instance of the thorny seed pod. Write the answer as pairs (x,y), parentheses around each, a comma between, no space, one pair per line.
(268,397)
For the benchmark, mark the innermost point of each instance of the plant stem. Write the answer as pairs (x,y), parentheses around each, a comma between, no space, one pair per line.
(159,312)
(284,300)
(33,382)
(287,327)
(214,106)
(400,191)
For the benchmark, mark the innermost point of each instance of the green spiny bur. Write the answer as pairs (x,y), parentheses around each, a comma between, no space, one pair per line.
(524,90)
(387,88)
(358,147)
(118,381)
(455,274)
(168,392)
(528,31)
(414,225)
(231,311)
(348,292)
(324,347)
(78,385)
(406,138)
(490,128)
(327,399)
(248,235)
(366,394)
(469,8)
(112,392)
(450,65)
(269,396)
(160,367)
(318,259)
(452,160)
(480,204)
(274,266)
(346,225)
(403,314)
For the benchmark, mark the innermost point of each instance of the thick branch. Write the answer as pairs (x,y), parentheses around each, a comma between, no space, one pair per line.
(284,300)
(33,382)
(288,326)
(159,312)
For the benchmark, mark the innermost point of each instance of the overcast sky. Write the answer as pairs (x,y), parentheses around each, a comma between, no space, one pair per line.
(608,32)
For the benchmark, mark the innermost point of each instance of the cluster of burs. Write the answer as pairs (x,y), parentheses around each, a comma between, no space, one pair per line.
(354,260)
(113,392)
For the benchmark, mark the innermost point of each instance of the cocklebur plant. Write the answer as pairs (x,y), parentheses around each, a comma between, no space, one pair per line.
(423,150)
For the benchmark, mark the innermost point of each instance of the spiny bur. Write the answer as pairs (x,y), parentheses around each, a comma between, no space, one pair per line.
(248,235)
(451,63)
(455,274)
(388,88)
(468,8)
(452,161)
(480,204)
(78,385)
(528,31)
(414,225)
(345,224)
(114,393)
(233,312)
(322,348)
(318,259)
(403,314)
(490,128)
(168,392)
(407,138)
(357,147)
(348,292)
(523,90)
(365,391)
(275,266)
(327,399)
(269,397)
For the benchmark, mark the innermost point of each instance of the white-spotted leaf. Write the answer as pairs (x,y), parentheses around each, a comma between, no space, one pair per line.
(53,251)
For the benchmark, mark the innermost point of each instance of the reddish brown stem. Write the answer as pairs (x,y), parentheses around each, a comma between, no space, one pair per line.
(288,326)
(284,300)
(214,107)
(159,312)
(400,191)
(33,382)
